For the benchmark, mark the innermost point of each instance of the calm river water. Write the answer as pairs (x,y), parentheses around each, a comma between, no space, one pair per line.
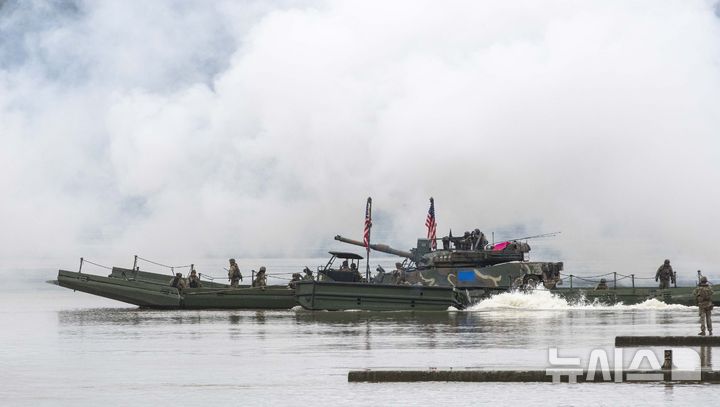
(59,347)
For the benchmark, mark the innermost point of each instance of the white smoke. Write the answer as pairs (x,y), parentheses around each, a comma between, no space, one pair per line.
(249,128)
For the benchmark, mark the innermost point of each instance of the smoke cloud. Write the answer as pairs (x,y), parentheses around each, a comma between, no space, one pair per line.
(198,129)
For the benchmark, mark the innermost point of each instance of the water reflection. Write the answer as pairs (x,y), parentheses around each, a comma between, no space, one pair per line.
(508,329)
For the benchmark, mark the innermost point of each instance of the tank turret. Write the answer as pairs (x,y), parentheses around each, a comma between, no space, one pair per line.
(470,249)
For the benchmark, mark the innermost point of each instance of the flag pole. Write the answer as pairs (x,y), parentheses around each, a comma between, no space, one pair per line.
(368,227)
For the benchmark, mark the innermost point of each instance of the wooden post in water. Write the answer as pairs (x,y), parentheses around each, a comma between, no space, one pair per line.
(667,364)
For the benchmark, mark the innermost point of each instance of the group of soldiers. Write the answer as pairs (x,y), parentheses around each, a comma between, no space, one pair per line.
(702,293)
(296,277)
(352,268)
(474,240)
(235,276)
(193,281)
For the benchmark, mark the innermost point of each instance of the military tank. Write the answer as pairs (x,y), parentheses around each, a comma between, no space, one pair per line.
(467,261)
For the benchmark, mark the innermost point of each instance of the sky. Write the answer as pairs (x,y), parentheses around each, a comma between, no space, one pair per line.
(193,129)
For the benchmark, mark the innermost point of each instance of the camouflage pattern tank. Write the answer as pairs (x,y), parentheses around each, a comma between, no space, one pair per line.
(466,261)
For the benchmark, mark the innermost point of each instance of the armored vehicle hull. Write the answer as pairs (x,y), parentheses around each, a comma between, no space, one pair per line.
(498,276)
(152,290)
(327,295)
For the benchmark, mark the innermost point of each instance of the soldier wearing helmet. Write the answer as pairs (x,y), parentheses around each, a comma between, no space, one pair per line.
(703,296)
(399,275)
(295,278)
(178,282)
(234,274)
(602,285)
(260,278)
(194,280)
(665,274)
(308,275)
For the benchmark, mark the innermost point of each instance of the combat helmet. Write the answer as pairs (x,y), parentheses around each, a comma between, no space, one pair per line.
(703,280)
(667,261)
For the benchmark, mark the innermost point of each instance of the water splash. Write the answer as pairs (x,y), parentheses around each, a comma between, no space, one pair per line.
(541,299)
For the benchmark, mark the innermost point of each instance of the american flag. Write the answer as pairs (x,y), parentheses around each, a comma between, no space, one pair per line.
(368,223)
(431,225)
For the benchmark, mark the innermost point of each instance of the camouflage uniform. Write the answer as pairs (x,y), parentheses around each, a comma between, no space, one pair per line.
(665,275)
(178,282)
(194,280)
(260,278)
(234,274)
(308,275)
(602,285)
(703,295)
(295,278)
(400,276)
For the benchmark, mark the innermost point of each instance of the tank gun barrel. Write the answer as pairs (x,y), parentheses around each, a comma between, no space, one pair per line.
(551,234)
(377,247)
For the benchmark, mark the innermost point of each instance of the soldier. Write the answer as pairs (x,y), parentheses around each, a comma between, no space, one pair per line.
(260,278)
(177,282)
(479,240)
(466,241)
(344,266)
(665,275)
(602,285)
(234,274)
(308,275)
(399,274)
(194,280)
(703,295)
(295,278)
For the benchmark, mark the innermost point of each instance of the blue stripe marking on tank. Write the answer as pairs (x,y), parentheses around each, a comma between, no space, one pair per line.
(466,275)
